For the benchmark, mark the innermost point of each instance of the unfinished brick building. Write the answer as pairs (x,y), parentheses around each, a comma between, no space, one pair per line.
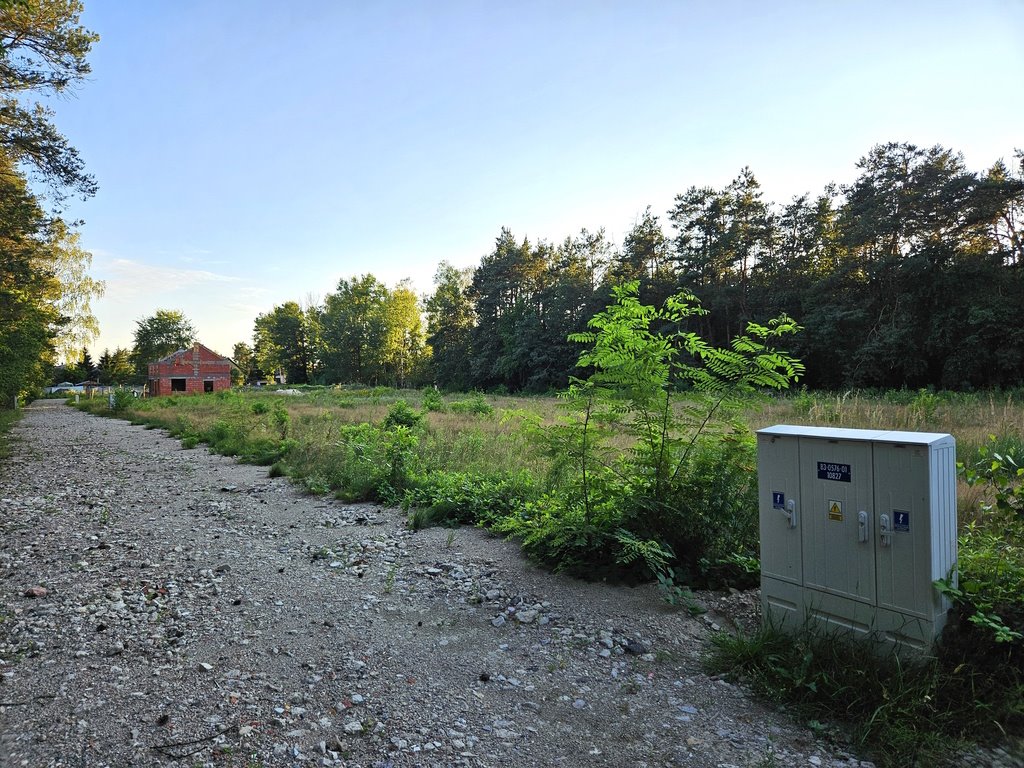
(189,371)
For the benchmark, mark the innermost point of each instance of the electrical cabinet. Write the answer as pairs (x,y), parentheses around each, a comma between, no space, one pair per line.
(855,526)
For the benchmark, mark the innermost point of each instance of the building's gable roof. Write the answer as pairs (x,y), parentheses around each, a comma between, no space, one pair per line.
(209,356)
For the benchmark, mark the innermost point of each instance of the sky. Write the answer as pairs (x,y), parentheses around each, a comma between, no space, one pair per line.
(253,153)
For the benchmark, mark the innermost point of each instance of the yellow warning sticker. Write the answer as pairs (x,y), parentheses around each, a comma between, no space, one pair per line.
(835,510)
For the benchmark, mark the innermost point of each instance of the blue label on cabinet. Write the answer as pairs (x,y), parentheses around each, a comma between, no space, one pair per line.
(900,521)
(829,471)
(778,500)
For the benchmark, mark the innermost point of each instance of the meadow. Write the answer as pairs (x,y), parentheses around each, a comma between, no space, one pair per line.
(523,467)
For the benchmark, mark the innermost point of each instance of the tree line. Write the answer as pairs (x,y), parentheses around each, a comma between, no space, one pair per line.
(45,288)
(911,276)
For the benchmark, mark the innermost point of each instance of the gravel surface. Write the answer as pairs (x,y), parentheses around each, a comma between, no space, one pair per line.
(169,607)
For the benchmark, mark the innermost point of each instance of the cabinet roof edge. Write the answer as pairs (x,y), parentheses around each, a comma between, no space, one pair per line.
(867,435)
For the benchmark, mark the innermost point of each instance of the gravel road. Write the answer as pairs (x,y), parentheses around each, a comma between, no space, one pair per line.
(169,607)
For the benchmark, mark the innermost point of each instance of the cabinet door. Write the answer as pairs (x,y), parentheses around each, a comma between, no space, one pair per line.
(778,490)
(903,529)
(836,488)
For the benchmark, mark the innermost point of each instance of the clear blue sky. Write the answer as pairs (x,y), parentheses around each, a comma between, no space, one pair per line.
(252,153)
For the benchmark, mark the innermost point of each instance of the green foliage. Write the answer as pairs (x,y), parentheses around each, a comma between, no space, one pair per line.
(43,53)
(902,713)
(458,498)
(924,405)
(449,327)
(990,569)
(166,331)
(803,402)
(476,404)
(653,554)
(283,341)
(7,420)
(281,419)
(369,333)
(677,594)
(433,402)
(399,453)
(401,414)
(890,293)
(557,531)
(685,483)
(365,462)
(122,399)
(1003,475)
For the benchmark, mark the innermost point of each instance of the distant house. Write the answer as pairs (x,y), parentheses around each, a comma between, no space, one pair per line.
(189,371)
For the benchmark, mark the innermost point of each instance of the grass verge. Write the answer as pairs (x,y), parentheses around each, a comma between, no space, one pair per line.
(7,420)
(901,713)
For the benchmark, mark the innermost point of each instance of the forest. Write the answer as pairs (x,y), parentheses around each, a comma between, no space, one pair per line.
(909,277)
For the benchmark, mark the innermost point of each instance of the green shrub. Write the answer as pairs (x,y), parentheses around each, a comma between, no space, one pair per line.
(557,531)
(281,419)
(991,548)
(122,399)
(476,404)
(923,407)
(7,420)
(399,454)
(708,513)
(401,414)
(366,462)
(222,438)
(803,402)
(433,401)
(457,498)
(686,481)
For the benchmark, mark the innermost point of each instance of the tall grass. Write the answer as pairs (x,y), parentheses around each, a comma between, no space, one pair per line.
(969,417)
(313,434)
(7,420)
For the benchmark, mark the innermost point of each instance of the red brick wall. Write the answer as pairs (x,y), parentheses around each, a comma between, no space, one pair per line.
(197,366)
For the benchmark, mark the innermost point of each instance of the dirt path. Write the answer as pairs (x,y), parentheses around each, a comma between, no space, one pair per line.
(197,612)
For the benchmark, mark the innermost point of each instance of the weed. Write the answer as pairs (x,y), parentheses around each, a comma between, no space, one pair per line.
(121,400)
(903,713)
(433,402)
(323,554)
(455,498)
(923,407)
(630,688)
(450,539)
(7,420)
(316,485)
(389,579)
(803,402)
(402,415)
(677,594)
(476,404)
